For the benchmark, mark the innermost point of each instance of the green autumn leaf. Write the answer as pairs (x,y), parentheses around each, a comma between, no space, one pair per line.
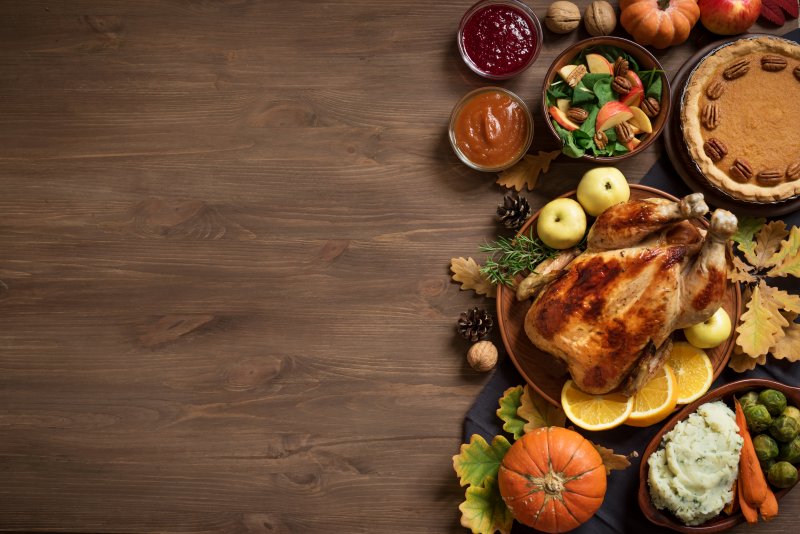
(787,259)
(484,512)
(478,460)
(538,412)
(745,234)
(509,403)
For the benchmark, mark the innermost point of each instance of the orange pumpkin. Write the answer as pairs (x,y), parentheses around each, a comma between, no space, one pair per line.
(552,479)
(661,23)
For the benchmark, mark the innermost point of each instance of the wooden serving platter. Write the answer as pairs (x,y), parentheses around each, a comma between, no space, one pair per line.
(685,166)
(545,373)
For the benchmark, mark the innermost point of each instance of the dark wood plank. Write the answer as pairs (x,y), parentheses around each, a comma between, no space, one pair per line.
(226,229)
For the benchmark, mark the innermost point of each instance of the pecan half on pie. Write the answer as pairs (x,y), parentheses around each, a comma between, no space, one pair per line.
(740,117)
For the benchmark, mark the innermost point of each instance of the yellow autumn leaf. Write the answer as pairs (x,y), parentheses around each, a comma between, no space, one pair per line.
(741,362)
(787,260)
(538,412)
(526,172)
(779,299)
(468,273)
(740,272)
(788,347)
(759,328)
(768,240)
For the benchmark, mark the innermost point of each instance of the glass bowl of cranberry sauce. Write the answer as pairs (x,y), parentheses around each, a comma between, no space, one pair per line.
(499,39)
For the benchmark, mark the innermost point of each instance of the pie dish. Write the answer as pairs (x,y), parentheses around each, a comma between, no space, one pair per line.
(739,117)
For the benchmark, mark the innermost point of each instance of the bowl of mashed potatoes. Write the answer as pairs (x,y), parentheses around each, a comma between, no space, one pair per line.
(688,469)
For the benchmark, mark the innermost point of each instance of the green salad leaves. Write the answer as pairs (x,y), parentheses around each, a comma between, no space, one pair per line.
(592,93)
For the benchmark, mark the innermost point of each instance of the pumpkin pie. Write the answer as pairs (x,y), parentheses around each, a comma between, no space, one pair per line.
(740,117)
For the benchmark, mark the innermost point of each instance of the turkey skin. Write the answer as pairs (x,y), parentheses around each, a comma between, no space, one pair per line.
(608,312)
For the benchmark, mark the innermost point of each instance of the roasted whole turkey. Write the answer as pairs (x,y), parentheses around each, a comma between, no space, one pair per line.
(608,312)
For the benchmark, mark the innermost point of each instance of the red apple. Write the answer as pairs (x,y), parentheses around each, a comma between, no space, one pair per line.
(728,17)
(632,144)
(636,82)
(633,97)
(640,121)
(562,119)
(598,64)
(612,114)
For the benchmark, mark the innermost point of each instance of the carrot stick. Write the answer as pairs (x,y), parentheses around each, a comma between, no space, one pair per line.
(769,508)
(733,506)
(749,513)
(753,485)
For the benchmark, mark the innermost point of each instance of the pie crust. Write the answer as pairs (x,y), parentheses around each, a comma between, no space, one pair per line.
(756,117)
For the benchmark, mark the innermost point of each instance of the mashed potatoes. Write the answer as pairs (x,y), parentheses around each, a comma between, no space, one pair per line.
(693,471)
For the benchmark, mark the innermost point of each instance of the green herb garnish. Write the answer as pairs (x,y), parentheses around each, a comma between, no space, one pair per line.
(509,257)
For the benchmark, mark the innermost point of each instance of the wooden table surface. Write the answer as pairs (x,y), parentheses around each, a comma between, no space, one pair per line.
(226,229)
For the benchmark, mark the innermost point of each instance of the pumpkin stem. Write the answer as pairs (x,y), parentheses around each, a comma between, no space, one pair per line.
(553,484)
(663,4)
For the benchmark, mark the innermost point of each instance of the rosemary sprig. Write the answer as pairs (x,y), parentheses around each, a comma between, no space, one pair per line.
(510,257)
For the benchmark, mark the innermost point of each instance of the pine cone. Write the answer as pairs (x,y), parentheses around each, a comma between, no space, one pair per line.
(475,324)
(514,211)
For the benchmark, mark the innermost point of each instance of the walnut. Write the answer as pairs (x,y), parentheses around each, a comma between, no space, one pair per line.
(482,356)
(562,17)
(600,18)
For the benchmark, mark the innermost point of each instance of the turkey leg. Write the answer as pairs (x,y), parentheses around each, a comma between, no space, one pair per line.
(629,223)
(704,282)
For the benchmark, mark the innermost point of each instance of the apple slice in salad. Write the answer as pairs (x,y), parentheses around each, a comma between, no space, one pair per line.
(605,108)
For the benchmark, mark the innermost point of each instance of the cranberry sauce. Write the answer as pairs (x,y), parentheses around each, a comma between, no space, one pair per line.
(499,39)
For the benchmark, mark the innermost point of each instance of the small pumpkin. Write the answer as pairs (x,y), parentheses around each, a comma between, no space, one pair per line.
(661,23)
(552,479)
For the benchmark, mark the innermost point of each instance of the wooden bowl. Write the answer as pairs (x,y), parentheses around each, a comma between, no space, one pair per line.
(646,61)
(547,374)
(725,393)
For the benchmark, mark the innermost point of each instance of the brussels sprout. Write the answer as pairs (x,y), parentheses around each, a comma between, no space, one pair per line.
(792,412)
(766,465)
(758,418)
(790,452)
(766,447)
(782,475)
(751,397)
(784,428)
(774,400)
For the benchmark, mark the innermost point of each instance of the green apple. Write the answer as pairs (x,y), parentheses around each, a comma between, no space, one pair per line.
(711,332)
(561,224)
(601,188)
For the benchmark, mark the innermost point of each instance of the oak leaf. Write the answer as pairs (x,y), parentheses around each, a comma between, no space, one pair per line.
(526,172)
(509,404)
(788,347)
(469,275)
(613,461)
(484,511)
(538,412)
(748,226)
(741,362)
(740,272)
(787,260)
(779,299)
(768,240)
(479,460)
(760,326)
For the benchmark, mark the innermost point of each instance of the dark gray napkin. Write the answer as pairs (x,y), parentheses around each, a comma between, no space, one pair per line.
(620,511)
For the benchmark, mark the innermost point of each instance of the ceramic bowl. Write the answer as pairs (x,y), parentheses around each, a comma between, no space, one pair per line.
(646,61)
(724,393)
